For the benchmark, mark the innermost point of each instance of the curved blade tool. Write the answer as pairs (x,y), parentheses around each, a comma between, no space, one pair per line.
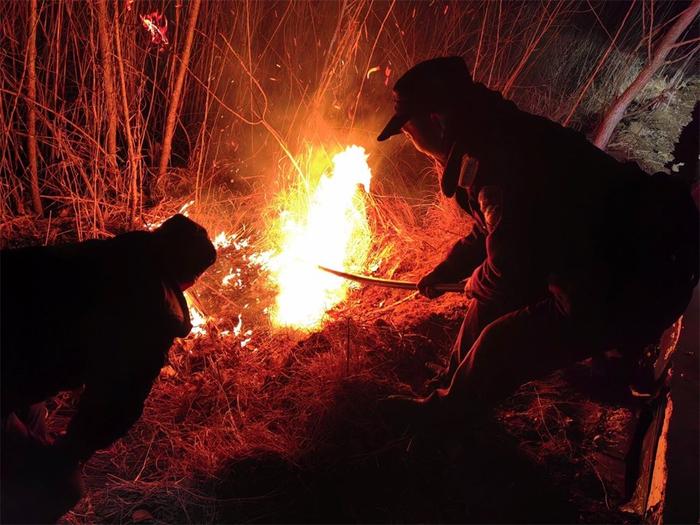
(389,283)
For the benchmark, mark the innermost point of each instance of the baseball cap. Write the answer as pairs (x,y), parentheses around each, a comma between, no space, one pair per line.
(428,86)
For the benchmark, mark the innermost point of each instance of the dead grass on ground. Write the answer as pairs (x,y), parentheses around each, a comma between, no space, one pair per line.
(238,424)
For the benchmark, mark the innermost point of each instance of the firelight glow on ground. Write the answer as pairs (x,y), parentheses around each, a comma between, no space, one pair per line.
(326,225)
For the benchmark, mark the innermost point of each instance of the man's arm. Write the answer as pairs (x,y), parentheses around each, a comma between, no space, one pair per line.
(113,398)
(465,255)
(510,270)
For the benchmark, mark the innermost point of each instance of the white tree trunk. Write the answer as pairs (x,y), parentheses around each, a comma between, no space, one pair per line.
(617,110)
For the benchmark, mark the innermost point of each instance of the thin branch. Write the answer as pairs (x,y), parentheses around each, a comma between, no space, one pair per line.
(177,90)
(31,108)
(598,67)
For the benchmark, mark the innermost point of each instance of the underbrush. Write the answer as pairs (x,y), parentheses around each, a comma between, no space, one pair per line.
(251,423)
(248,423)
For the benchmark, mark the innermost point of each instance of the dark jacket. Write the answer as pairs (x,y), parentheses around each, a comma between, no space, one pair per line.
(551,210)
(99,314)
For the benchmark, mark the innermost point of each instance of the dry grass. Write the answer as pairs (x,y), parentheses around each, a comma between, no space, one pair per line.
(265,78)
(231,432)
(219,402)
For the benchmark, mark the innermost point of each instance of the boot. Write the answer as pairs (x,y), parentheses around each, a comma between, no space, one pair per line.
(418,412)
(441,380)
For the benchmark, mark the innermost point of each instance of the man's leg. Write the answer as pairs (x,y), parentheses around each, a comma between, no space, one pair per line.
(35,419)
(516,348)
(479,315)
(35,487)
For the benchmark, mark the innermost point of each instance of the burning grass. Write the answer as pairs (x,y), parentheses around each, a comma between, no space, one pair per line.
(252,422)
(320,224)
(249,422)
(243,389)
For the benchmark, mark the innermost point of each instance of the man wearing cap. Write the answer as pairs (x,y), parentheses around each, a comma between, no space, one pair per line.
(100,315)
(572,253)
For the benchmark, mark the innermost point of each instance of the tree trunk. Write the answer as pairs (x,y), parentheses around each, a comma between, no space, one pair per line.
(31,108)
(617,110)
(177,90)
(108,77)
(134,197)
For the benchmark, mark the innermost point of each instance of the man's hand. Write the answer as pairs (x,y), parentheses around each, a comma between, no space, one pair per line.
(467,288)
(427,283)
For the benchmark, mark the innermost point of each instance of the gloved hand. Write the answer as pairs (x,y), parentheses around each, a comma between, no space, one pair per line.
(427,283)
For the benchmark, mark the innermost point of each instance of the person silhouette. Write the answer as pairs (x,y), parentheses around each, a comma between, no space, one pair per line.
(571,254)
(99,315)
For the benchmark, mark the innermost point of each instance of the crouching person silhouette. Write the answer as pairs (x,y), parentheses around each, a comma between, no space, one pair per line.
(572,253)
(100,315)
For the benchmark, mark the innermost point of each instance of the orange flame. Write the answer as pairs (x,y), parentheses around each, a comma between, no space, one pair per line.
(326,225)
(157,25)
(197,317)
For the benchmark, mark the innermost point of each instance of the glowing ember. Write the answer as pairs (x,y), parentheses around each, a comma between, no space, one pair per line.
(231,275)
(375,69)
(239,326)
(184,209)
(233,278)
(327,226)
(157,25)
(223,240)
(197,317)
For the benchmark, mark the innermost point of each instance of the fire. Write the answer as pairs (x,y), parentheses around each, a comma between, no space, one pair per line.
(157,25)
(223,240)
(326,225)
(197,317)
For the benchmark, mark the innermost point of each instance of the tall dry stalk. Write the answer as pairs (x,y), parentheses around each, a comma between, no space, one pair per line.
(599,66)
(543,24)
(108,78)
(31,108)
(174,103)
(262,80)
(134,194)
